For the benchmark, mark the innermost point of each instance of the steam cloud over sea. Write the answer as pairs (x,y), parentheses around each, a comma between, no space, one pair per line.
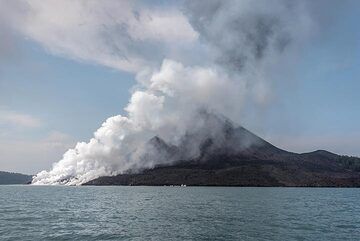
(198,57)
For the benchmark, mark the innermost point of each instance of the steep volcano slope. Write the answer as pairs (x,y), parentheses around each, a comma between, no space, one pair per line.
(237,157)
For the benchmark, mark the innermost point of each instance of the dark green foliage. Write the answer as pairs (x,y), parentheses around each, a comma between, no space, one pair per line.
(14,178)
(350,162)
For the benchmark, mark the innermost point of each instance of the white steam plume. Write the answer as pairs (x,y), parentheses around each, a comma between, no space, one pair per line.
(167,107)
(241,41)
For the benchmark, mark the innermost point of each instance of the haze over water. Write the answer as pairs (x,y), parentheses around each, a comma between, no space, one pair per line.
(175,213)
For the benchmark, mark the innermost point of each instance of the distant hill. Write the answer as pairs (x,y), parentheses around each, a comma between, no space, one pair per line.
(226,161)
(14,178)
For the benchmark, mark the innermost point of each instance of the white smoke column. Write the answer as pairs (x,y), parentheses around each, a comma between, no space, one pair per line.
(252,38)
(166,107)
(245,39)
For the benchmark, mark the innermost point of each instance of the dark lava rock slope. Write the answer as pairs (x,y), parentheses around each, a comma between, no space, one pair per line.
(230,162)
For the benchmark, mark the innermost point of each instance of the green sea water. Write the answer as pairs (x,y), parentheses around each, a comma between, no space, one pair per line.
(178,213)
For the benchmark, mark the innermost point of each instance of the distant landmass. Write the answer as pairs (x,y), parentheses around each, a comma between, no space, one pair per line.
(14,178)
(231,163)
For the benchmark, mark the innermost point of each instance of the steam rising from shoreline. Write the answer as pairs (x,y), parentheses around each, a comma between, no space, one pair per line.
(169,106)
(241,42)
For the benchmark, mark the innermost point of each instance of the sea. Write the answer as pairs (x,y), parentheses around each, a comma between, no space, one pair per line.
(178,213)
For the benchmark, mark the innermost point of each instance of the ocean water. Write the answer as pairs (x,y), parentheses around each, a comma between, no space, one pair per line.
(178,213)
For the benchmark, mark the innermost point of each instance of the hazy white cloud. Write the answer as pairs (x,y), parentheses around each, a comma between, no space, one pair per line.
(17,119)
(119,34)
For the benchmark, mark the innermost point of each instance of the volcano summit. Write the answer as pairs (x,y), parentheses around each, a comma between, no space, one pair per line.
(237,157)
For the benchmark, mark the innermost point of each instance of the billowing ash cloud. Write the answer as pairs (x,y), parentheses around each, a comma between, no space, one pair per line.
(239,41)
(244,33)
(169,105)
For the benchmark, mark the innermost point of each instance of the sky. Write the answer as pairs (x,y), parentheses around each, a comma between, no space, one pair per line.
(56,90)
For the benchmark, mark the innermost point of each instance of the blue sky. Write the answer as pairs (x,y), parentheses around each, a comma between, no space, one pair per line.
(60,91)
(321,108)
(53,98)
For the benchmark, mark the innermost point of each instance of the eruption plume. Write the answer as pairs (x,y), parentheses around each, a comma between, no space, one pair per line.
(236,44)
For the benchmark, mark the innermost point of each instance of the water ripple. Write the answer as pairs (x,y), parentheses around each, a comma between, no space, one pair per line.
(174,213)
